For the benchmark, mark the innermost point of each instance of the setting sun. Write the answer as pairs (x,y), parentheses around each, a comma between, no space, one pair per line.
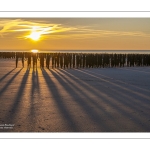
(36,32)
(35,35)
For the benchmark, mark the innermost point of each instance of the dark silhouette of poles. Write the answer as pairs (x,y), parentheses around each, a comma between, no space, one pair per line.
(58,60)
(78,60)
(41,56)
(83,60)
(61,60)
(29,60)
(17,56)
(47,60)
(22,59)
(34,57)
(53,60)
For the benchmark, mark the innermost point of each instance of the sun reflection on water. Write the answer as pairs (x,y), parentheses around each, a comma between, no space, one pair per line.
(34,51)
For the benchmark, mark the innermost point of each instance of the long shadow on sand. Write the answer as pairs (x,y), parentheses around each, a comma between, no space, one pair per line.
(71,123)
(118,101)
(9,82)
(84,105)
(15,108)
(35,91)
(80,95)
(18,107)
(129,100)
(6,74)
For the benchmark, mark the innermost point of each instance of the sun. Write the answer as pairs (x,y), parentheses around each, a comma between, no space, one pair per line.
(34,51)
(36,32)
(35,35)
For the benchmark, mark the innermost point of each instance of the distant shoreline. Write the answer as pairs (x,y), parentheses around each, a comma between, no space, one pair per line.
(85,51)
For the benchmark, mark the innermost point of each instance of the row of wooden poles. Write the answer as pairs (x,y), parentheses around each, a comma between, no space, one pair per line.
(77,60)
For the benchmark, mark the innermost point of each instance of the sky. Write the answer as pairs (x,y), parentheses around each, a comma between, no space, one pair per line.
(75,33)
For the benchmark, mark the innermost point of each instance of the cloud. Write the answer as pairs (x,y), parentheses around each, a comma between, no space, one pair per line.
(79,33)
(19,25)
(23,28)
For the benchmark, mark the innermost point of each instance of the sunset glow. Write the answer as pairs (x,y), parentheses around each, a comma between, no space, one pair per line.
(34,51)
(35,33)
(35,36)
(75,33)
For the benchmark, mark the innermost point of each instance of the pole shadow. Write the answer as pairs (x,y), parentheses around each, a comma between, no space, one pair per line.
(35,91)
(16,108)
(9,82)
(120,99)
(67,117)
(7,74)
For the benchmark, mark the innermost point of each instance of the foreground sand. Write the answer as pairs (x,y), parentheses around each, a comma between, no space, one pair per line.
(74,100)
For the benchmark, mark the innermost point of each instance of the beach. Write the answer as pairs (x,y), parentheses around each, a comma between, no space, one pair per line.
(74,100)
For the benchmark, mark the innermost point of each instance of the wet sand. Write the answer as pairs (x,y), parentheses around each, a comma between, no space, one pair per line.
(74,100)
